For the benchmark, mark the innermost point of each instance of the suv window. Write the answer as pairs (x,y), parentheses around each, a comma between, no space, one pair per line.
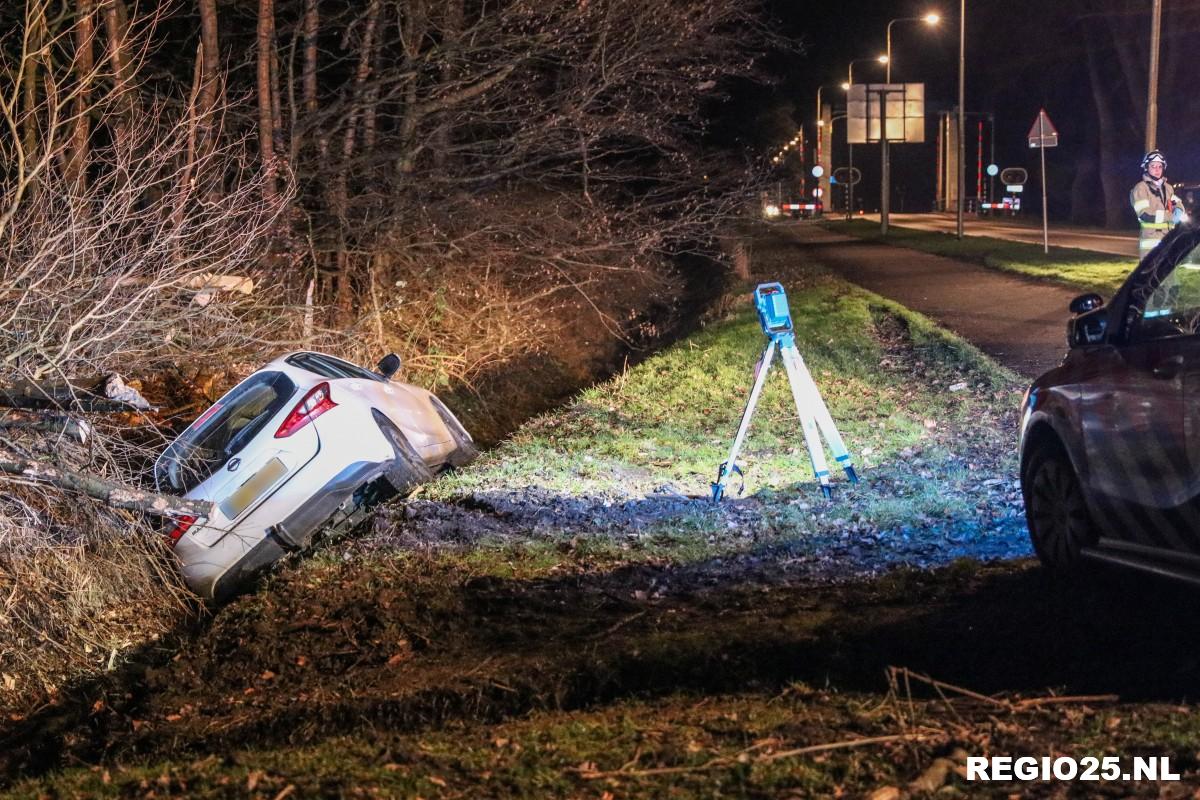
(1173,307)
(222,431)
(330,367)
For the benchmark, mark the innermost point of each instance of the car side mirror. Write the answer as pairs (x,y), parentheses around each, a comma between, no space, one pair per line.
(389,365)
(1087,328)
(1085,303)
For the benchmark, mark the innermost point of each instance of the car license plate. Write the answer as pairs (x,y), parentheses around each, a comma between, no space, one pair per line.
(245,495)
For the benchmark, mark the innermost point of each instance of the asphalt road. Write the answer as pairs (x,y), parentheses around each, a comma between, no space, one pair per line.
(1121,244)
(1018,321)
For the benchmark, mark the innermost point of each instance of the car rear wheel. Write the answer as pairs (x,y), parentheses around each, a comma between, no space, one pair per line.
(465,450)
(409,471)
(1059,523)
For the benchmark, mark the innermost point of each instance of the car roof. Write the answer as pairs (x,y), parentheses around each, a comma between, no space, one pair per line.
(321,365)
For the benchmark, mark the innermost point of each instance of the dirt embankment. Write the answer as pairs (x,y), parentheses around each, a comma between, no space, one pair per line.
(346,681)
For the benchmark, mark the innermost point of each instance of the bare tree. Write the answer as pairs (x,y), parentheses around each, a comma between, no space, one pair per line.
(266,115)
(209,58)
(85,33)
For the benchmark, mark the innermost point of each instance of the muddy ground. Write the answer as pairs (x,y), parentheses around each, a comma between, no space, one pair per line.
(372,667)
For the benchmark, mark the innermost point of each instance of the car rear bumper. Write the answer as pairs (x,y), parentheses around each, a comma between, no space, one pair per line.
(297,529)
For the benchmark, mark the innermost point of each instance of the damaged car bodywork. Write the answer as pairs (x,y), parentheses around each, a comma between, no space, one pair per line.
(307,443)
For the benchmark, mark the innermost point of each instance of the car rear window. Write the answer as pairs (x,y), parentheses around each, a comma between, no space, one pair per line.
(222,431)
(330,367)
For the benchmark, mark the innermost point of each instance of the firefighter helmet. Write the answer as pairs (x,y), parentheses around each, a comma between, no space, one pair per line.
(1153,156)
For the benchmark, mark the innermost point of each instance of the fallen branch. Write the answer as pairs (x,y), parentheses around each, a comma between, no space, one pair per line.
(107,492)
(741,758)
(106,394)
(1008,705)
(1037,702)
(74,428)
(907,673)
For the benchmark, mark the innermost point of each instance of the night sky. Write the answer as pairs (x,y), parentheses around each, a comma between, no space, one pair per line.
(1020,55)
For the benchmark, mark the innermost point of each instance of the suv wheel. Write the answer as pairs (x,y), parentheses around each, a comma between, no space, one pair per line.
(1055,509)
(409,470)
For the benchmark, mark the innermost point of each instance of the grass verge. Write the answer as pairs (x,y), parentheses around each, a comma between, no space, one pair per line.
(1080,269)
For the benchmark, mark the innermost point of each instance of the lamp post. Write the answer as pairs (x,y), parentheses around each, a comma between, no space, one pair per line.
(1152,92)
(962,150)
(850,82)
(885,185)
(823,179)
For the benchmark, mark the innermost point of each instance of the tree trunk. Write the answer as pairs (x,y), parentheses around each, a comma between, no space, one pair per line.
(452,23)
(311,26)
(36,22)
(85,65)
(371,98)
(1083,192)
(413,28)
(340,191)
(279,145)
(115,21)
(1117,213)
(210,52)
(266,116)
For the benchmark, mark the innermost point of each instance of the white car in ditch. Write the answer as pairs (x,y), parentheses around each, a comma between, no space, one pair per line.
(306,444)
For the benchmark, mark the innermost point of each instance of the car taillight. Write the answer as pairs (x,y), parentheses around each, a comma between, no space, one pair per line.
(314,404)
(182,523)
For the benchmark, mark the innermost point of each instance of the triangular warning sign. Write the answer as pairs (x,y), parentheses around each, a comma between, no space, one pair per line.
(1043,133)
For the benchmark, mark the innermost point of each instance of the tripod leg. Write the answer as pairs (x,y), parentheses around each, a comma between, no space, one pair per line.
(730,464)
(796,366)
(808,423)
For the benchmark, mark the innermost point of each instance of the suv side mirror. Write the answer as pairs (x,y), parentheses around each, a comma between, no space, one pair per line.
(1085,303)
(1087,328)
(389,365)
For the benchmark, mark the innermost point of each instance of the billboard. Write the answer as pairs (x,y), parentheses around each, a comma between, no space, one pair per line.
(902,105)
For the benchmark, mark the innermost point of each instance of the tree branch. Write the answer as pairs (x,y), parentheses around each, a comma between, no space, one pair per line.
(107,492)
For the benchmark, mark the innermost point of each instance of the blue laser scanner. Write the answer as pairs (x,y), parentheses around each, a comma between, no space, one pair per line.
(770,301)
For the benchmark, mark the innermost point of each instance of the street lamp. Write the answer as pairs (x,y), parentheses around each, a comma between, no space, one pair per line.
(929,19)
(1152,91)
(883,59)
(885,184)
(962,147)
(822,181)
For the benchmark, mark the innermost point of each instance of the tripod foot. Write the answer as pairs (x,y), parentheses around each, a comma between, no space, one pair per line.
(718,490)
(850,473)
(827,491)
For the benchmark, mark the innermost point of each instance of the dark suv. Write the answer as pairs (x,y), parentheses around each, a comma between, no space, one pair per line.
(1110,440)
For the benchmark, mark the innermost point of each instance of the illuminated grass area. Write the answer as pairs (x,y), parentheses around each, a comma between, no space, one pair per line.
(672,418)
(666,424)
(1081,269)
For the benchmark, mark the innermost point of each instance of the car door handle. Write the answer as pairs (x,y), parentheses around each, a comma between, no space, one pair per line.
(1167,369)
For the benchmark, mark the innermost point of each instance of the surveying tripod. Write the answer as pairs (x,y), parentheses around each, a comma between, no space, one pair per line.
(771,303)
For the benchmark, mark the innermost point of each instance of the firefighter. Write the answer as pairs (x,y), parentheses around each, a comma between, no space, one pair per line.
(1154,202)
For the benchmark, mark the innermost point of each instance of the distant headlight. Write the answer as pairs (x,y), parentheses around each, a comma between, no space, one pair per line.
(771,210)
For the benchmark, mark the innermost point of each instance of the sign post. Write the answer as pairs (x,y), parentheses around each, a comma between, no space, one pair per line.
(1043,134)
(888,113)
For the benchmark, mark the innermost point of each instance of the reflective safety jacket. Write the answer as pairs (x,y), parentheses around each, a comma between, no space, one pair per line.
(1154,203)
